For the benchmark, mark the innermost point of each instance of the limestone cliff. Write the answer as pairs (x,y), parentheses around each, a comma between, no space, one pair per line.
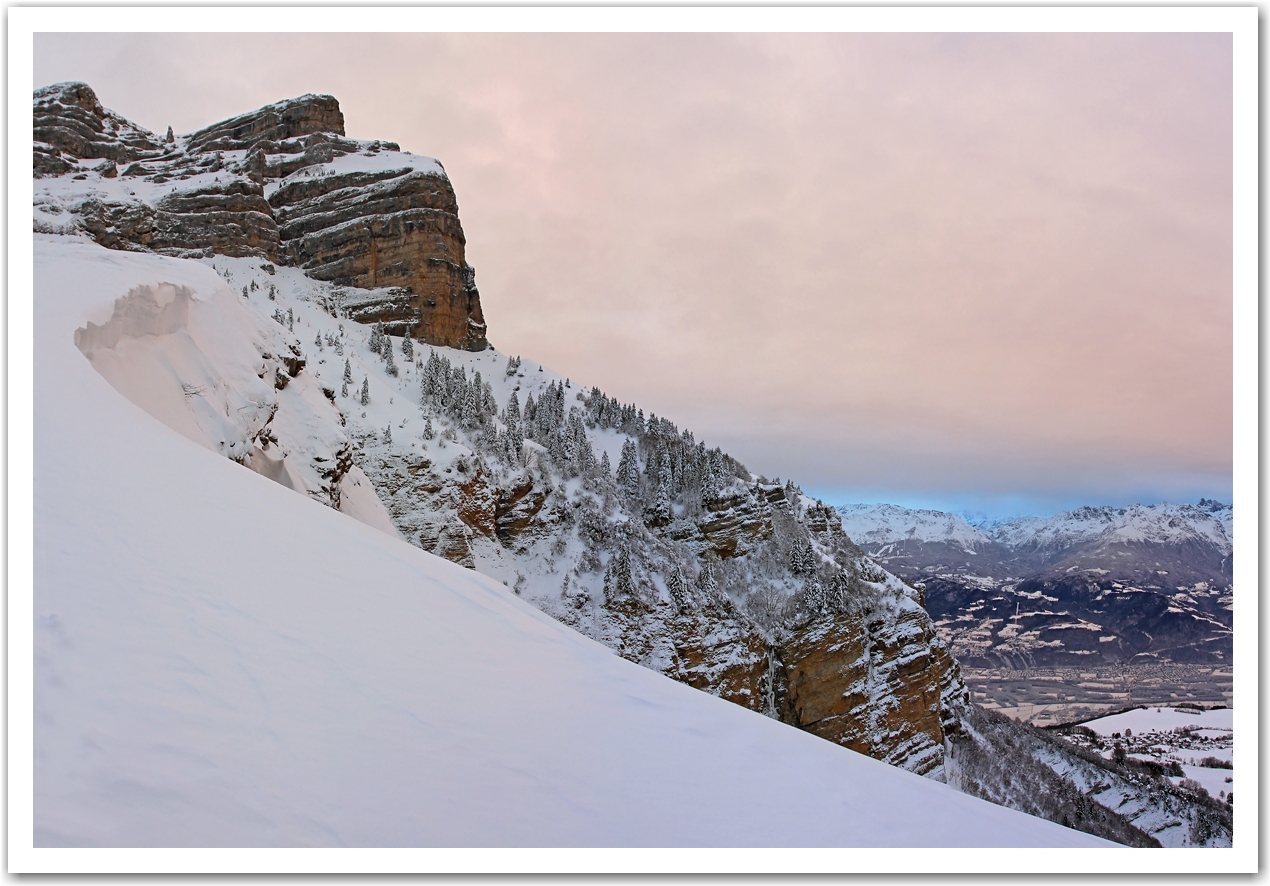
(670,553)
(282,183)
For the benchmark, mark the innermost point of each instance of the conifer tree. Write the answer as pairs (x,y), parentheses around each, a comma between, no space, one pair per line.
(515,437)
(606,466)
(365,391)
(318,341)
(348,371)
(628,469)
(408,347)
(617,578)
(390,367)
(814,596)
(388,434)
(707,584)
(678,589)
(344,389)
(659,512)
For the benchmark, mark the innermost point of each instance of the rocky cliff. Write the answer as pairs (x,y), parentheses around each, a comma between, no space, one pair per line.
(624,527)
(281,183)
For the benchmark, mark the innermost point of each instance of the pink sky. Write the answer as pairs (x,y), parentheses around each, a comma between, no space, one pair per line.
(989,271)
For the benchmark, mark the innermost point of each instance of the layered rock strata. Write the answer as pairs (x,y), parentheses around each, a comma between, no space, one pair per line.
(282,183)
(395,233)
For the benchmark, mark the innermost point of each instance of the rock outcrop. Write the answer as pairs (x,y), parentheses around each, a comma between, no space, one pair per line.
(71,125)
(282,183)
(395,234)
(881,686)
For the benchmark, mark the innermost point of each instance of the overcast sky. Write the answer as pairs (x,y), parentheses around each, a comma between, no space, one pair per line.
(965,271)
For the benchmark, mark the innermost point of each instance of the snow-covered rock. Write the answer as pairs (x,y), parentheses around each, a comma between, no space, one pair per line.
(281,183)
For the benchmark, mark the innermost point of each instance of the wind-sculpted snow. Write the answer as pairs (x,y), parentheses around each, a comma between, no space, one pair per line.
(221,662)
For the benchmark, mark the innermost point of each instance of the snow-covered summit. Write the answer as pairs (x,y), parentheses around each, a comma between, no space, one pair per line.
(1209,523)
(881,523)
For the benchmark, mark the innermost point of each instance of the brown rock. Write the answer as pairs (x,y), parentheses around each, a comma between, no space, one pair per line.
(396,234)
(281,120)
(885,687)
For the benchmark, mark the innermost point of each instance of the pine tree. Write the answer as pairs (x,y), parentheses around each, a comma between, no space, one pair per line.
(245,292)
(386,349)
(515,436)
(388,435)
(628,469)
(348,371)
(678,589)
(408,347)
(660,512)
(606,466)
(707,584)
(427,429)
(344,389)
(290,320)
(318,341)
(814,596)
(617,578)
(365,391)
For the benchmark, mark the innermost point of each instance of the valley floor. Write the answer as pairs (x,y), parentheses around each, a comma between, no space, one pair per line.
(1051,696)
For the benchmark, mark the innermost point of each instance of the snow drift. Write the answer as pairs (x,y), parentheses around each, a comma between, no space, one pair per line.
(221,662)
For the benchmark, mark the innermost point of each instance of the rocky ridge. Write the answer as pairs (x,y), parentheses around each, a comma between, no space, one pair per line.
(282,183)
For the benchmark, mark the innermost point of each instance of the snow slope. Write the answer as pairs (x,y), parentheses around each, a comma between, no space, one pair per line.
(220,661)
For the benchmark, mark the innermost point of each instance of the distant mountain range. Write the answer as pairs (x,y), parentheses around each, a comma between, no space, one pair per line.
(1094,585)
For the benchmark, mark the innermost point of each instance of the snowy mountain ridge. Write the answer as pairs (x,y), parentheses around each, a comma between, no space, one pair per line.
(883,523)
(1163,523)
(1138,583)
(266,338)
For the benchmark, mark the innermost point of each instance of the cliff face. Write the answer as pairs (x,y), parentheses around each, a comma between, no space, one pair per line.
(676,558)
(395,233)
(282,183)
(752,592)
(881,686)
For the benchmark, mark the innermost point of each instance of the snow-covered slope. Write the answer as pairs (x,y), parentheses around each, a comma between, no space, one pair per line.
(219,661)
